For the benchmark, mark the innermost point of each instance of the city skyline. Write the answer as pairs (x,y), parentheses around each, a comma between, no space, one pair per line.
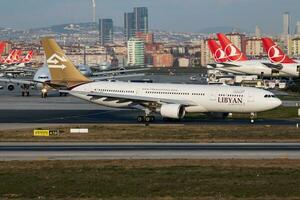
(165,15)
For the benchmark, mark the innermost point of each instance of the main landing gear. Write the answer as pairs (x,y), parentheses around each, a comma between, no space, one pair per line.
(25,90)
(147,118)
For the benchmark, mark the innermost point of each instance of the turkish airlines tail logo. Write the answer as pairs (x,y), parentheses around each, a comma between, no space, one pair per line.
(232,52)
(217,51)
(9,58)
(275,53)
(28,57)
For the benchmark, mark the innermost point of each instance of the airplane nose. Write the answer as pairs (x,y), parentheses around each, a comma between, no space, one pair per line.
(277,102)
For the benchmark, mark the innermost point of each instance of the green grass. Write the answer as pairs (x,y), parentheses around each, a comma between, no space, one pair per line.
(62,180)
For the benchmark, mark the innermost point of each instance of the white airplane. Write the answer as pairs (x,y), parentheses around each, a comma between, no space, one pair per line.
(230,59)
(170,100)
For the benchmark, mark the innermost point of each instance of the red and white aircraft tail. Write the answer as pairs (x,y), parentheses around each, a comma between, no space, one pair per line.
(9,59)
(232,52)
(28,57)
(275,53)
(17,56)
(217,51)
(2,47)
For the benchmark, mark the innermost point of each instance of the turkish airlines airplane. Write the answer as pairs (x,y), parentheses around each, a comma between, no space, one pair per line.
(278,57)
(237,62)
(9,59)
(170,100)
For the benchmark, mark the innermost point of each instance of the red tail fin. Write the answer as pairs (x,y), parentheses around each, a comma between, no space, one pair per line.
(232,52)
(217,51)
(2,46)
(17,56)
(9,58)
(275,53)
(28,57)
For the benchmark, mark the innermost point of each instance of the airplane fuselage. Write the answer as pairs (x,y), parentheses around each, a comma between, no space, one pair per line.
(205,98)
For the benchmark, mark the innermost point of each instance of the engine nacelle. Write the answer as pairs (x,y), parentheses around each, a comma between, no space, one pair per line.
(39,86)
(174,111)
(10,87)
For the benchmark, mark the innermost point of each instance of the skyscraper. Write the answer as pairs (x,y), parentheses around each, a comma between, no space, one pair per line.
(136,52)
(136,21)
(298,28)
(286,23)
(106,31)
(141,19)
(129,30)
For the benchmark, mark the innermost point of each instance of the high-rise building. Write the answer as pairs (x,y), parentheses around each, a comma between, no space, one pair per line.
(106,31)
(141,19)
(136,21)
(254,47)
(298,28)
(257,31)
(129,24)
(286,23)
(135,52)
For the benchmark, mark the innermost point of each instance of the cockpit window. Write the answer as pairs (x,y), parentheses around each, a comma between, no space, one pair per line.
(269,96)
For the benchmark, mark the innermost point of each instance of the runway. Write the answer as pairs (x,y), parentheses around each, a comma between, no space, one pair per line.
(71,110)
(102,151)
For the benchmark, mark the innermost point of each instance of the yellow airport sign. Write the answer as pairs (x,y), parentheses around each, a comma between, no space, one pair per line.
(44,133)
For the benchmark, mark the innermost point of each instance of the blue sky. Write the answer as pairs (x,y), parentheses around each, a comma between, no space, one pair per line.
(176,15)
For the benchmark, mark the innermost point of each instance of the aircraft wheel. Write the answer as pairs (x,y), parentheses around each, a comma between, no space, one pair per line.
(27,94)
(140,119)
(23,94)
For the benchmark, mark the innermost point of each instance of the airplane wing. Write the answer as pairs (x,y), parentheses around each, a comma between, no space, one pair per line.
(115,77)
(133,98)
(17,81)
(229,65)
(273,66)
(119,71)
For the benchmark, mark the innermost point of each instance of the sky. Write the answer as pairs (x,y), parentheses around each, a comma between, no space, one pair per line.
(169,15)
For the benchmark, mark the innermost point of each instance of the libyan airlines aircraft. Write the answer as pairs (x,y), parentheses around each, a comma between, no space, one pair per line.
(170,100)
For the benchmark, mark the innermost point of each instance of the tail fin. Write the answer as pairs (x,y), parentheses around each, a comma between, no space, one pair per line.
(2,47)
(232,52)
(17,56)
(62,70)
(275,53)
(217,51)
(28,57)
(9,58)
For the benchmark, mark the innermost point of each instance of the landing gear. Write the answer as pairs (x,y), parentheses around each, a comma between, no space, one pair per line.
(62,94)
(25,90)
(146,119)
(252,117)
(25,93)
(44,93)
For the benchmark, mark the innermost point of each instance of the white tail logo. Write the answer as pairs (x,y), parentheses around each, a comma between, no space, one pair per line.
(232,50)
(55,61)
(274,54)
(219,55)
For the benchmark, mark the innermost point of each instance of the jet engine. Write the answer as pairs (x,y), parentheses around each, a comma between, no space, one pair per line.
(173,111)
(10,87)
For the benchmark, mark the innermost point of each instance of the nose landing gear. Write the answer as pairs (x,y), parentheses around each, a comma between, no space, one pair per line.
(252,117)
